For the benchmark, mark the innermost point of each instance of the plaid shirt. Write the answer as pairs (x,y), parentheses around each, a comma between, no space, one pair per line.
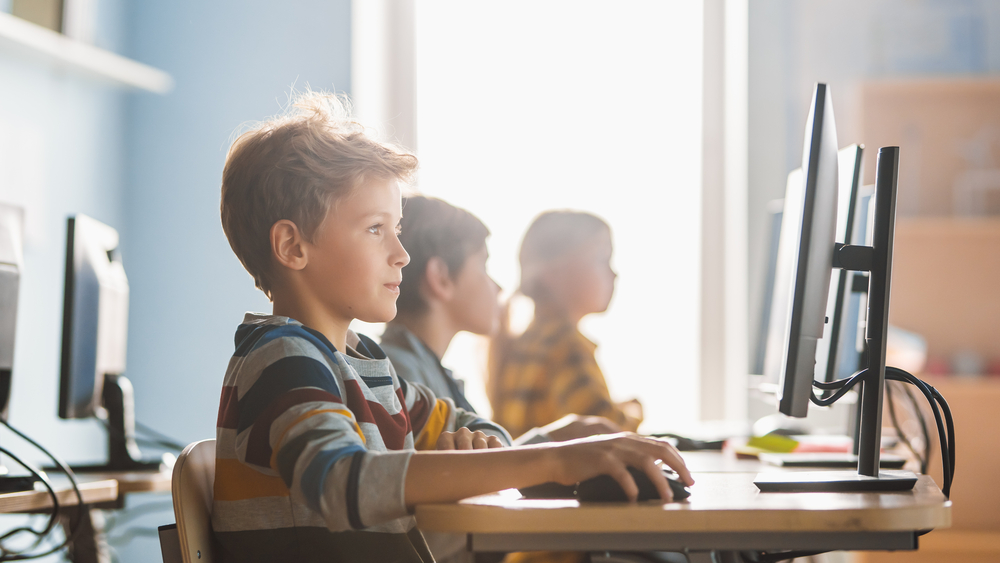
(550,371)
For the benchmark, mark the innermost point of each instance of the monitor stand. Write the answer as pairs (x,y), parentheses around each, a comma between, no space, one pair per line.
(15,483)
(877,260)
(834,481)
(123,451)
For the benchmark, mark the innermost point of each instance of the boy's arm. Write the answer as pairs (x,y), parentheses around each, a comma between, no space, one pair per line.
(449,476)
(431,415)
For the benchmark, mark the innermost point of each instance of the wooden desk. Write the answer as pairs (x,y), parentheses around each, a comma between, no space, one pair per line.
(725,512)
(137,481)
(100,491)
(93,492)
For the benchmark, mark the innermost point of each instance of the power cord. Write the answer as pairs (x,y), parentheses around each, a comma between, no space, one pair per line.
(922,457)
(53,518)
(163,441)
(75,527)
(934,398)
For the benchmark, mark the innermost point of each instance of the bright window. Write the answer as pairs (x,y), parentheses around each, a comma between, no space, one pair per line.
(524,106)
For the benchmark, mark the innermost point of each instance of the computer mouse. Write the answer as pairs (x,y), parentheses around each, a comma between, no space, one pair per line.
(605,489)
(549,490)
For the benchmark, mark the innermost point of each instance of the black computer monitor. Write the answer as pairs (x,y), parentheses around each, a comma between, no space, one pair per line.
(11,263)
(808,254)
(94,337)
(11,260)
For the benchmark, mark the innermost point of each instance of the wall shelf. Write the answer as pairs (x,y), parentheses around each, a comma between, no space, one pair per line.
(34,41)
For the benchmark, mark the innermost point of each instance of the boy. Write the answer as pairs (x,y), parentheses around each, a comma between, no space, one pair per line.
(322,451)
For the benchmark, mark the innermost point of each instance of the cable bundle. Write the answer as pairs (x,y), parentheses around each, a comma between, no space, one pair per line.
(945,423)
(8,554)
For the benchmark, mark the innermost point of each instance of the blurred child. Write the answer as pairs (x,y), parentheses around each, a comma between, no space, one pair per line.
(550,370)
(447,289)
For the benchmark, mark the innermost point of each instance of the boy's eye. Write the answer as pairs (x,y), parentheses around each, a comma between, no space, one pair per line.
(375,229)
(399,230)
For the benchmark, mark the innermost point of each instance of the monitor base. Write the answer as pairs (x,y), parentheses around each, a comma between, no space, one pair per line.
(827,460)
(834,481)
(16,484)
(146,465)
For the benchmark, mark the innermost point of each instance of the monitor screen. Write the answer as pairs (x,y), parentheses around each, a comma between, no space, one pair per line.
(805,254)
(95,316)
(11,259)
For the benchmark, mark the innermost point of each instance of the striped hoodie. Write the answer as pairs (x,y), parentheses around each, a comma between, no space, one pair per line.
(313,445)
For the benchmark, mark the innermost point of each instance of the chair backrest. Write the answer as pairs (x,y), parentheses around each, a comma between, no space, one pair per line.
(191,486)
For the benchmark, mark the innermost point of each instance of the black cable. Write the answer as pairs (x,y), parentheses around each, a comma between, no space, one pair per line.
(53,518)
(167,444)
(841,385)
(167,441)
(923,429)
(900,375)
(934,398)
(899,429)
(75,527)
(951,428)
(947,438)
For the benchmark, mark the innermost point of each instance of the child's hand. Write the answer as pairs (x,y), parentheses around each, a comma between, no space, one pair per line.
(611,454)
(573,426)
(632,409)
(465,439)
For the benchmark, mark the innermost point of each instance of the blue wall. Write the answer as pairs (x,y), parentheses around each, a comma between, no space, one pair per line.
(150,166)
(61,152)
(233,62)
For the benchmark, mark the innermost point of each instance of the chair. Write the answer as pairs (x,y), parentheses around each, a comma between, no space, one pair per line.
(191,487)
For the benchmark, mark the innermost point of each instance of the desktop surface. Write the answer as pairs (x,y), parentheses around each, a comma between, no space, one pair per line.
(725,511)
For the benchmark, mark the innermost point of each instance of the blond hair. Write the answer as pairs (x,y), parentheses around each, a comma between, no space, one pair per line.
(294,167)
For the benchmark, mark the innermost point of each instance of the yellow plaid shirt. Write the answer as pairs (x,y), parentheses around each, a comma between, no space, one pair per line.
(550,371)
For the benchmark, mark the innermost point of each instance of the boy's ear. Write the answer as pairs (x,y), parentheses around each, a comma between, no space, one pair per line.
(287,245)
(438,284)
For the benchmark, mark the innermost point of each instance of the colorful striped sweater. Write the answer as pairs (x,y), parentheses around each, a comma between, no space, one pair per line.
(313,445)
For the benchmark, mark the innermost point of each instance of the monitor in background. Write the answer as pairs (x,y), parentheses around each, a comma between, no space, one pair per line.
(11,263)
(774,300)
(11,258)
(807,255)
(95,330)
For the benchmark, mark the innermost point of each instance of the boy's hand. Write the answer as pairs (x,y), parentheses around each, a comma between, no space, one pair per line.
(611,454)
(465,439)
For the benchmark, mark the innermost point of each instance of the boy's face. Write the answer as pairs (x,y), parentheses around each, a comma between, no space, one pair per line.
(474,306)
(356,261)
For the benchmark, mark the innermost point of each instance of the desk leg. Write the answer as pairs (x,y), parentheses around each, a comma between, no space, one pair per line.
(89,545)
